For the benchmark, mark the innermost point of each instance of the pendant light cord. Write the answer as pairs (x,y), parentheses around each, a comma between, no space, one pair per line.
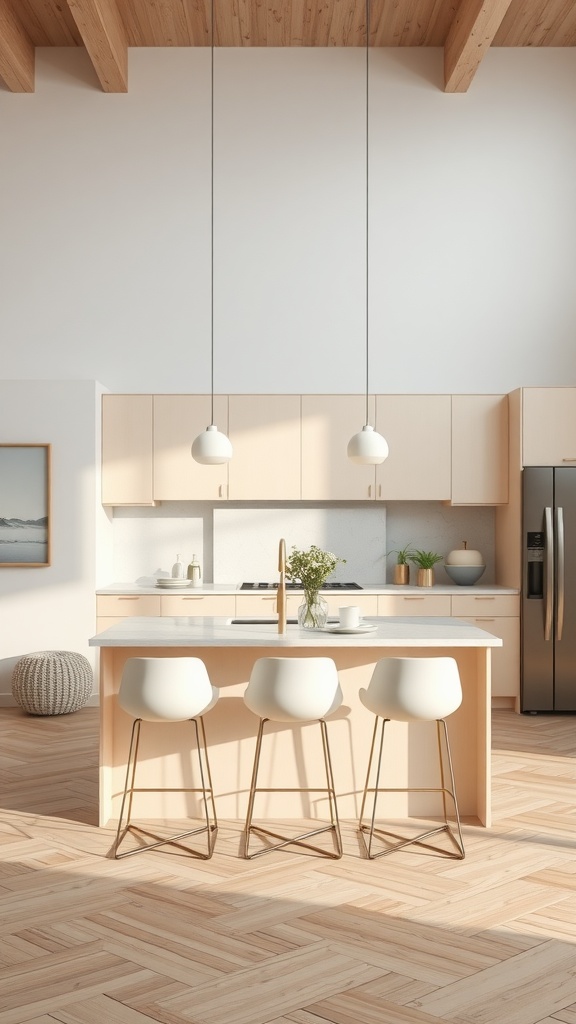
(367,193)
(212,215)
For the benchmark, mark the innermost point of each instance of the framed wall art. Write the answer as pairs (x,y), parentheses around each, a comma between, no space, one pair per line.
(24,505)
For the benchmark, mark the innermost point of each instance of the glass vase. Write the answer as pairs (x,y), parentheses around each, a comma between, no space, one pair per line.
(313,613)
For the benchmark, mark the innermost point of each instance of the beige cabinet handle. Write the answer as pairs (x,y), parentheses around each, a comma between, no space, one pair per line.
(486,598)
(369,490)
(406,598)
(569,460)
(128,598)
(484,618)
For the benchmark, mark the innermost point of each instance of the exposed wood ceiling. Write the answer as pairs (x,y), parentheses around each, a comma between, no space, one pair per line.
(107,28)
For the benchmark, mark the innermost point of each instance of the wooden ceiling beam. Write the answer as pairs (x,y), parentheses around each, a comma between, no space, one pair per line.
(475,24)
(16,52)
(104,36)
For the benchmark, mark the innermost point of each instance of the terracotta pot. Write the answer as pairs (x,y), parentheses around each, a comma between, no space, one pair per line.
(425,578)
(401,575)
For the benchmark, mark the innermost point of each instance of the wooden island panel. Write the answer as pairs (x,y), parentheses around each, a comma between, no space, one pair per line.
(292,756)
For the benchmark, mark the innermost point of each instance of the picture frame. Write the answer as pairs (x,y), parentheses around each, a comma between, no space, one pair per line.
(25,521)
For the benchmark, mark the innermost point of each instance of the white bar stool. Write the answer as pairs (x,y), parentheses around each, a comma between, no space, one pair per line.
(413,690)
(162,690)
(294,690)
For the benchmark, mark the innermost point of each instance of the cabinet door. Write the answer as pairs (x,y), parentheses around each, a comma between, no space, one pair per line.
(417,429)
(198,604)
(328,423)
(549,426)
(266,436)
(505,659)
(127,450)
(367,603)
(479,449)
(485,605)
(256,606)
(128,605)
(414,604)
(178,419)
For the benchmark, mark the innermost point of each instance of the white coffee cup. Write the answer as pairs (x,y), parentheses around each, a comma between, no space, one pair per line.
(349,616)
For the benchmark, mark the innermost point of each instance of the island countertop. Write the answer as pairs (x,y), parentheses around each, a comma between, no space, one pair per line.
(218,631)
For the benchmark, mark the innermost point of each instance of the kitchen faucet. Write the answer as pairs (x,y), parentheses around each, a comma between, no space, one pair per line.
(281,599)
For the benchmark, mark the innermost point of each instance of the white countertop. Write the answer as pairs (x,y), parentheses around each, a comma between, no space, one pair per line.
(234,588)
(216,631)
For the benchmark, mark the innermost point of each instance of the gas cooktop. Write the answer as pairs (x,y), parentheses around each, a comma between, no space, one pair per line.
(298,586)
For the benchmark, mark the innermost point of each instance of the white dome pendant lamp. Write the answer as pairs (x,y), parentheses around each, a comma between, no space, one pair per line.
(211,447)
(367,447)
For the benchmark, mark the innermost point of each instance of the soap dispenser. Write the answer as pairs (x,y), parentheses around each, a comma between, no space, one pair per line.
(178,569)
(194,572)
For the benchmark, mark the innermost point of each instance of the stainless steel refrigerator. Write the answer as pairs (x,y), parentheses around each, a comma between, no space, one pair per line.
(548,662)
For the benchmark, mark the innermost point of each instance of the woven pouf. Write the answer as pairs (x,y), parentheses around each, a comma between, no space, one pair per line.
(52,682)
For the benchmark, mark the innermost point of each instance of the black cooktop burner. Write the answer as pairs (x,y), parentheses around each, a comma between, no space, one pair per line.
(298,586)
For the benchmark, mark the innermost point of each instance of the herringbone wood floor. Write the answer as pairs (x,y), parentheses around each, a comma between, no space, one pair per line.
(414,938)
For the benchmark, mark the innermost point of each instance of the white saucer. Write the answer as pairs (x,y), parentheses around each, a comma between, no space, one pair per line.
(168,584)
(351,629)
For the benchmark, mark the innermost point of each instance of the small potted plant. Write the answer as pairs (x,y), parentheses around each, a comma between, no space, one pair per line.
(425,560)
(402,568)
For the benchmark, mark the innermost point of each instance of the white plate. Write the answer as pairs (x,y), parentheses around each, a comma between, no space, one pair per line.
(168,584)
(350,629)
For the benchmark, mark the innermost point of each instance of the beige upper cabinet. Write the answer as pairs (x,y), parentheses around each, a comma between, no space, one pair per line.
(266,437)
(479,449)
(417,429)
(549,426)
(328,423)
(127,450)
(178,419)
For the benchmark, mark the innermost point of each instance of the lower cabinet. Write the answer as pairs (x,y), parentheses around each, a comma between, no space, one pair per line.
(499,615)
(128,605)
(112,607)
(367,603)
(199,604)
(414,604)
(264,605)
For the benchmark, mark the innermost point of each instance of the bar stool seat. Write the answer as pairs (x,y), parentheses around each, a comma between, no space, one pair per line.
(167,690)
(412,690)
(294,691)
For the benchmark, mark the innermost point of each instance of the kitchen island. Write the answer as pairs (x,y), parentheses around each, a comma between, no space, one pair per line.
(229,651)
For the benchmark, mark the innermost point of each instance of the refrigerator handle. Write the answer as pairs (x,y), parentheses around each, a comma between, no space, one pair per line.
(559,572)
(549,596)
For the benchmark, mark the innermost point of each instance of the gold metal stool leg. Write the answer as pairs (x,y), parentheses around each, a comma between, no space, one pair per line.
(299,840)
(371,831)
(210,828)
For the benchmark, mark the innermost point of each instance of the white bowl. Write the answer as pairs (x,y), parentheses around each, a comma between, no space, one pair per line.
(464,575)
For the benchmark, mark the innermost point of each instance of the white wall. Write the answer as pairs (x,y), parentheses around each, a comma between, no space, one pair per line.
(104,206)
(53,607)
(104,261)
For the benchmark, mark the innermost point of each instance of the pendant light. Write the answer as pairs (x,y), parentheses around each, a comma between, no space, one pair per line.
(211,447)
(367,447)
